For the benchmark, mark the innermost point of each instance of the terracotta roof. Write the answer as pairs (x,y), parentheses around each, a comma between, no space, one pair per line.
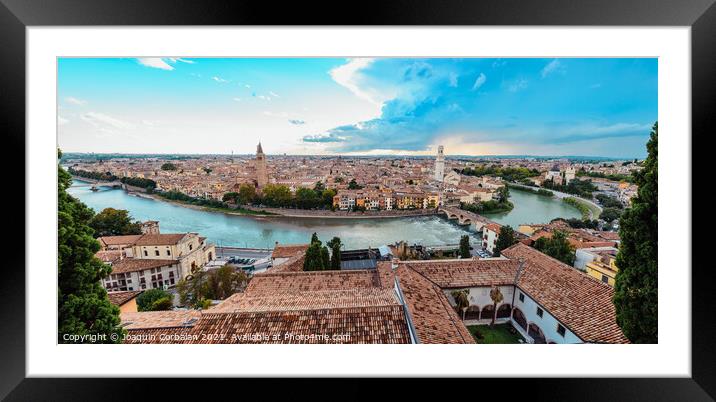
(159,319)
(434,320)
(119,240)
(109,255)
(291,301)
(288,250)
(119,298)
(607,235)
(139,264)
(466,273)
(493,227)
(293,264)
(270,283)
(375,324)
(160,239)
(579,301)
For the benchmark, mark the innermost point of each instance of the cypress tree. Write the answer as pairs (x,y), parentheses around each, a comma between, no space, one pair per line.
(83,307)
(636,286)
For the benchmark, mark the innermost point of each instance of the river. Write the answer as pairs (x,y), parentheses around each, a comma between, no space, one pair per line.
(244,231)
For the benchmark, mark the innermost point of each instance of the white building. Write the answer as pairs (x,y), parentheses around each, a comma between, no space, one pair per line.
(490,233)
(586,255)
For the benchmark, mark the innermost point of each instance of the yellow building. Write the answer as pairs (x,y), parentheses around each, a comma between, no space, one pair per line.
(604,267)
(126,301)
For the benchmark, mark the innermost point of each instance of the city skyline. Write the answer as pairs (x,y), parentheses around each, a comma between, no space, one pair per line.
(362,106)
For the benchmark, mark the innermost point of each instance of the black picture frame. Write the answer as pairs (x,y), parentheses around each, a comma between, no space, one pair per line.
(700,15)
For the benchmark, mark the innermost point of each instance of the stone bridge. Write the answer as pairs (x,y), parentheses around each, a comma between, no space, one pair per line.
(465,218)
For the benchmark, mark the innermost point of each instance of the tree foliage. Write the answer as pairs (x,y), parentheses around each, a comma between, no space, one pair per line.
(114,222)
(215,284)
(83,307)
(335,245)
(636,286)
(317,256)
(154,300)
(557,247)
(496,297)
(505,239)
(465,246)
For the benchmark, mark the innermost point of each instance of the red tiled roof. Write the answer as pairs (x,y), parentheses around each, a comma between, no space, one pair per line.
(293,264)
(119,240)
(374,324)
(466,273)
(290,301)
(288,250)
(160,239)
(159,319)
(109,255)
(433,318)
(139,264)
(577,300)
(119,298)
(269,283)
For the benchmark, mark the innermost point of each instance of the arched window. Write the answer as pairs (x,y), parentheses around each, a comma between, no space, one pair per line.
(504,311)
(472,313)
(488,312)
(519,318)
(536,333)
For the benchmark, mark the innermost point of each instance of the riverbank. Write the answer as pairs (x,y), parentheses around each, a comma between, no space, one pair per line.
(288,213)
(594,210)
(305,213)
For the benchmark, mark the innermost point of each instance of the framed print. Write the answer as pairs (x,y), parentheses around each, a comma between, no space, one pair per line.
(458,191)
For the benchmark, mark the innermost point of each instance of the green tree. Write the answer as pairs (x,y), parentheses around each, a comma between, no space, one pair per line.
(327,196)
(317,258)
(465,246)
(83,307)
(154,300)
(353,185)
(247,194)
(610,214)
(505,239)
(276,195)
(636,286)
(496,297)
(335,245)
(216,284)
(462,301)
(557,247)
(169,166)
(232,197)
(114,222)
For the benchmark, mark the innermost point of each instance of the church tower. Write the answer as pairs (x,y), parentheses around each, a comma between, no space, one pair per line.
(440,165)
(261,174)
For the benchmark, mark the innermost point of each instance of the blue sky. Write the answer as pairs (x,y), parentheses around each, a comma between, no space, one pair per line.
(593,107)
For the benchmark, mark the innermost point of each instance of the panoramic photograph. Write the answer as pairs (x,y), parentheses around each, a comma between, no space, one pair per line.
(357,200)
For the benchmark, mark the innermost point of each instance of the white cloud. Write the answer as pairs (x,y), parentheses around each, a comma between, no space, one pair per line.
(552,67)
(219,79)
(104,121)
(263,97)
(479,81)
(453,80)
(348,75)
(247,85)
(75,101)
(517,85)
(274,94)
(176,59)
(155,62)
(237,99)
(61,120)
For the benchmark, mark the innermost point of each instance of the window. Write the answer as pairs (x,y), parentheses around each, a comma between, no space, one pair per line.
(605,278)
(156,252)
(522,297)
(191,247)
(560,329)
(169,252)
(540,311)
(145,253)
